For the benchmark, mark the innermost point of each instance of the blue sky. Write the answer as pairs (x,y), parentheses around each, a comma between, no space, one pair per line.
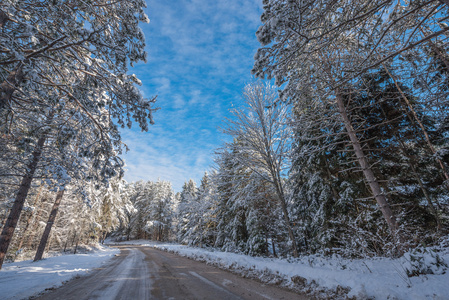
(200,54)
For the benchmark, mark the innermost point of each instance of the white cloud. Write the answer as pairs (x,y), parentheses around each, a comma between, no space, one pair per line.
(163,84)
(179,102)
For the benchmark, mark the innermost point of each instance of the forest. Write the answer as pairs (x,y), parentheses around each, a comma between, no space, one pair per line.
(341,146)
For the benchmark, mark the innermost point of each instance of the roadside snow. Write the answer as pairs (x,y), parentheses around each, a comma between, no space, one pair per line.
(26,278)
(379,278)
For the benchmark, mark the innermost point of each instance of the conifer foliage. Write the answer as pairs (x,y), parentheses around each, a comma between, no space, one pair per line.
(366,83)
(64,92)
(359,165)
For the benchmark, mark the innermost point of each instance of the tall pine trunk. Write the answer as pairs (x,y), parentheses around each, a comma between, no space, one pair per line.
(14,215)
(47,230)
(366,168)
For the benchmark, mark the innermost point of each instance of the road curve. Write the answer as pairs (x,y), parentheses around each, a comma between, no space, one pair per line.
(141,272)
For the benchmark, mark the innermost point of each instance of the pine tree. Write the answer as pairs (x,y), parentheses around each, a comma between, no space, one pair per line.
(63,63)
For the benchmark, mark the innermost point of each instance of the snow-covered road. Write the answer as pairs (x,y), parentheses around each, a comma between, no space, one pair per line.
(141,272)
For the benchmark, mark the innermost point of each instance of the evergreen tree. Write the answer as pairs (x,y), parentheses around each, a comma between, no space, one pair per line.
(186,210)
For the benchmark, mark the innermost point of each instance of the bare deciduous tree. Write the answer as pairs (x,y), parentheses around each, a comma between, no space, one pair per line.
(264,135)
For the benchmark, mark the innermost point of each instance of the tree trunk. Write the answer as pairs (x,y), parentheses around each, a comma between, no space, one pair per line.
(266,248)
(274,247)
(50,222)
(50,240)
(366,168)
(76,246)
(14,215)
(36,225)
(27,224)
(281,197)
(8,86)
(410,162)
(3,18)
(328,180)
(3,220)
(418,179)
(74,238)
(66,242)
(426,195)
(421,125)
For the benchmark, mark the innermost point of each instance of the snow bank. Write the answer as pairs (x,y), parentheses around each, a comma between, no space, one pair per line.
(26,278)
(379,278)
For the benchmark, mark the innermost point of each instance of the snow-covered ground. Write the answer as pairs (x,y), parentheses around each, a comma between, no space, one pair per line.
(26,278)
(378,278)
(375,278)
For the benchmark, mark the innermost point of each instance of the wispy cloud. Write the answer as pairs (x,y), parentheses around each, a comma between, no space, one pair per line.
(200,57)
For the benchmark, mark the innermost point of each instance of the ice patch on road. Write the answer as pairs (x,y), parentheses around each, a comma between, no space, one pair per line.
(226,282)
